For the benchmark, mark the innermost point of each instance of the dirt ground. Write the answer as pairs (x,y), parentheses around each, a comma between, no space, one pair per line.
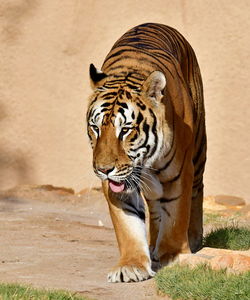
(55,239)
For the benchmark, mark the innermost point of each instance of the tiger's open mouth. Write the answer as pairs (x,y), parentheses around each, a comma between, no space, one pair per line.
(129,184)
(116,187)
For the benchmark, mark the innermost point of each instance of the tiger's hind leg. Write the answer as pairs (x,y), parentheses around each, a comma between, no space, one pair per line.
(154,207)
(175,214)
(173,235)
(195,230)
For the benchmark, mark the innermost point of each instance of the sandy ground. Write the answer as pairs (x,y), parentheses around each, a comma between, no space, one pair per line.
(53,238)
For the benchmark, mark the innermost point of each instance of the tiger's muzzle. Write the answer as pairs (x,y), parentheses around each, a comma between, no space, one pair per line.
(119,181)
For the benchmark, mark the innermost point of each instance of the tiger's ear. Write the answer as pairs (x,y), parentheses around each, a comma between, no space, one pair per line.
(95,76)
(154,85)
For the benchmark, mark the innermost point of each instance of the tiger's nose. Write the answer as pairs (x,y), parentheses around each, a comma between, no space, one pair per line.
(106,170)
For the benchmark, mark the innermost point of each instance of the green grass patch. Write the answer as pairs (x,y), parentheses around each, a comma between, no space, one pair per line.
(19,292)
(230,237)
(182,282)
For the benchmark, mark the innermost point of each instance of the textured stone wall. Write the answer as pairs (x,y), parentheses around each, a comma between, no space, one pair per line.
(46,49)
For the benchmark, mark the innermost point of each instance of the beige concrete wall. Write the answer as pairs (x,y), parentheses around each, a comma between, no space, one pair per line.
(46,49)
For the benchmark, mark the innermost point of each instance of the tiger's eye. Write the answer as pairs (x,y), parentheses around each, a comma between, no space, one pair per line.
(125,130)
(95,128)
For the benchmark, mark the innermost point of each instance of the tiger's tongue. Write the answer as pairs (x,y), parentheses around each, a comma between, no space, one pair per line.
(116,187)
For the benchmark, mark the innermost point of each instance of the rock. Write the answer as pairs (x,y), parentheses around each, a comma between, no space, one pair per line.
(90,190)
(229,200)
(245,209)
(234,261)
(58,190)
(40,188)
(209,204)
(193,259)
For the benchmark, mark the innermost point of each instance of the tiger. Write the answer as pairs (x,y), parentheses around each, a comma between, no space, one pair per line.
(146,126)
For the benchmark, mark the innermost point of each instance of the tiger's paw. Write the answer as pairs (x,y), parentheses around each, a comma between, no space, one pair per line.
(129,274)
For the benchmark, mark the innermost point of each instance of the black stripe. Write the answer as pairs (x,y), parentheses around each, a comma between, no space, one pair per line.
(133,82)
(132,86)
(108,97)
(137,76)
(145,36)
(156,218)
(197,182)
(107,104)
(89,113)
(165,210)
(167,200)
(111,87)
(105,109)
(201,149)
(112,83)
(139,118)
(200,169)
(140,104)
(154,130)
(122,104)
(145,129)
(121,111)
(128,95)
(167,163)
(158,64)
(109,94)
(175,178)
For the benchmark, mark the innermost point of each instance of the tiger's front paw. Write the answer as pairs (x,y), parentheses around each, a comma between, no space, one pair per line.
(129,273)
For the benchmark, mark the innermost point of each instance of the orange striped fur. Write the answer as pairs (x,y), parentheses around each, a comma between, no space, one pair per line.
(146,124)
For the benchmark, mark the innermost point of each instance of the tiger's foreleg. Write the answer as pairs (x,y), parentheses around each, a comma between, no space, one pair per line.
(128,216)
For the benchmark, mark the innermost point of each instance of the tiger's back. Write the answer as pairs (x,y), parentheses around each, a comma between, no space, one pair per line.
(158,46)
(150,79)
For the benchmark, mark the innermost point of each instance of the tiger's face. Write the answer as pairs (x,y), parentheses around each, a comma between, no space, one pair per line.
(125,134)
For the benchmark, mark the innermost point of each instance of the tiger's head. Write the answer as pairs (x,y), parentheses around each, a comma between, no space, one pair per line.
(125,123)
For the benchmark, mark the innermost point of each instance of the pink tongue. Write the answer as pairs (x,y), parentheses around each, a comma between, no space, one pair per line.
(116,187)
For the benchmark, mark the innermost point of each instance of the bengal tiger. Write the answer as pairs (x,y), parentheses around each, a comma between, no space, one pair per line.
(146,125)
